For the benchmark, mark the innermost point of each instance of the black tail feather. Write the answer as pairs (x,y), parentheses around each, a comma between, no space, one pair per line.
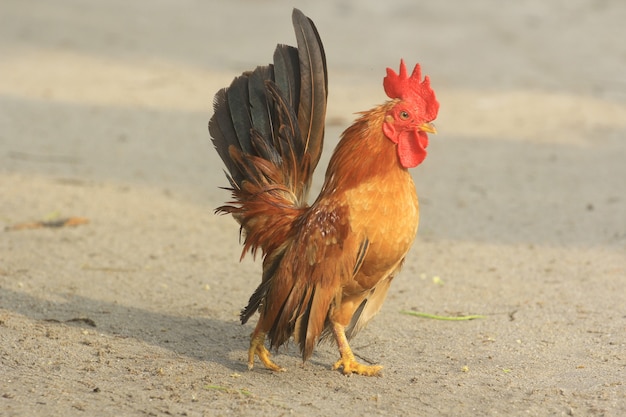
(223,134)
(239,108)
(286,62)
(314,85)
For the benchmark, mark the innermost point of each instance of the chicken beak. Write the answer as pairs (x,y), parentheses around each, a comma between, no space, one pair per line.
(428,128)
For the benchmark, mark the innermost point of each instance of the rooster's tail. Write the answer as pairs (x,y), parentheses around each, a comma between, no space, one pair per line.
(268,128)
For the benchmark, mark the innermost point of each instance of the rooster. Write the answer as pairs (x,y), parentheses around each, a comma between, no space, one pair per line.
(326,266)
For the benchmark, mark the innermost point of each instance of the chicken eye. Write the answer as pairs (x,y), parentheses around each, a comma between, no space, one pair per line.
(404,115)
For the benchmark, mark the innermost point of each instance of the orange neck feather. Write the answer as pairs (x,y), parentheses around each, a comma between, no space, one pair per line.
(362,153)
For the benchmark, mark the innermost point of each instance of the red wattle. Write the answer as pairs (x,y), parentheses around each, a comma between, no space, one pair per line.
(412,148)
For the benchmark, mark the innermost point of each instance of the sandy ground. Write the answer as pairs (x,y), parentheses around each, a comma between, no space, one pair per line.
(103,113)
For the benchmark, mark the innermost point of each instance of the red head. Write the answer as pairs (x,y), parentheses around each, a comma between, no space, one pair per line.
(408,121)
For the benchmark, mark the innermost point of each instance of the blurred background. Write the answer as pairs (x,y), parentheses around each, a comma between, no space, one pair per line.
(122,91)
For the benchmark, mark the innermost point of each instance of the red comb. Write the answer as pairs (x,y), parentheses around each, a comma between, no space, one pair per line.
(401,86)
(407,88)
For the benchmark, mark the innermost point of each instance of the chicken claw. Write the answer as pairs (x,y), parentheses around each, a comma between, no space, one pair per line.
(257,348)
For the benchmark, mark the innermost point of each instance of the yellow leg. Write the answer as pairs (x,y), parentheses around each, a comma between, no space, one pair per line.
(347,361)
(257,348)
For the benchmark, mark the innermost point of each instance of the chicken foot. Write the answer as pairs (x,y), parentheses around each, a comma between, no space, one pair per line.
(257,348)
(348,362)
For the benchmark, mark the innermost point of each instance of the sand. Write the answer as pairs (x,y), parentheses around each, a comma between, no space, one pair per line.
(103,113)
